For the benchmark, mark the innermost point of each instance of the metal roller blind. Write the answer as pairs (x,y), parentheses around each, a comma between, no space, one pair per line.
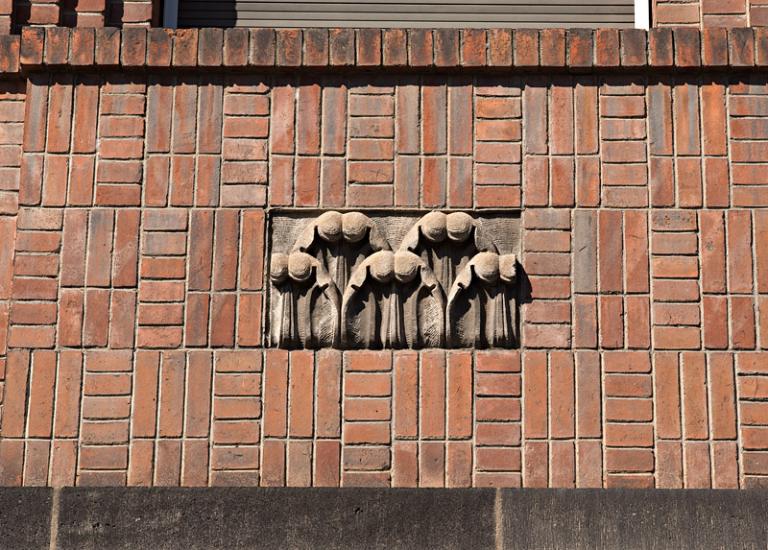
(426,13)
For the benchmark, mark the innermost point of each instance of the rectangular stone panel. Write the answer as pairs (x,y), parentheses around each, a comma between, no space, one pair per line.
(399,279)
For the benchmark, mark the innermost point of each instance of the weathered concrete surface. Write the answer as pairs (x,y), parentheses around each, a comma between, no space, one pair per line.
(647,519)
(275,518)
(173,518)
(25,517)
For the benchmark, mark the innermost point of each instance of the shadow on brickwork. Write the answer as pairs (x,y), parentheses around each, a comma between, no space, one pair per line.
(742,83)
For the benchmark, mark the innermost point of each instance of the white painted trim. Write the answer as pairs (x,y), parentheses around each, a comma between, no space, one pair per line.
(642,14)
(171,13)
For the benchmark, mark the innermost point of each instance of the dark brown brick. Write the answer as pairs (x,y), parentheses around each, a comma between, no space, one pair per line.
(741,47)
(552,47)
(714,47)
(32,42)
(607,49)
(446,47)
(315,47)
(83,46)
(634,43)
(210,50)
(56,45)
(687,47)
(579,43)
(342,47)
(159,47)
(235,47)
(660,49)
(133,52)
(262,52)
(420,45)
(185,48)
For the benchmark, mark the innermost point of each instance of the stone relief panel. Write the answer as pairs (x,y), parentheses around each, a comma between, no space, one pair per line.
(378,280)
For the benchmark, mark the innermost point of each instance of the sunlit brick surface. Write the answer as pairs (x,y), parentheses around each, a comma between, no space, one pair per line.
(132,221)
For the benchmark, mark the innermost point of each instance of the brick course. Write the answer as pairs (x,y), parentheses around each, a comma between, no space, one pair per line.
(132,222)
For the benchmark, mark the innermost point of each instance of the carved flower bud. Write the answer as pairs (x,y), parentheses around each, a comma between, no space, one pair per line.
(406,266)
(487,266)
(300,266)
(459,226)
(382,267)
(433,226)
(278,267)
(329,226)
(508,268)
(354,226)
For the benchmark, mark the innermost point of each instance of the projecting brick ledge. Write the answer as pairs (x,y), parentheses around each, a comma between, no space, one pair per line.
(575,50)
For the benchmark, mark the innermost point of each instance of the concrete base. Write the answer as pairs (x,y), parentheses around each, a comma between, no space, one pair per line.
(374,518)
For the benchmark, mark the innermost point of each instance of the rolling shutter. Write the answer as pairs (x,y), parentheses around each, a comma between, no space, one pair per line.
(426,13)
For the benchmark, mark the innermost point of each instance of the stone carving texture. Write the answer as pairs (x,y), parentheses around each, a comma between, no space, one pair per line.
(343,284)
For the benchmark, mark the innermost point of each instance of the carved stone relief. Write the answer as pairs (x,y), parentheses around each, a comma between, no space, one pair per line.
(352,280)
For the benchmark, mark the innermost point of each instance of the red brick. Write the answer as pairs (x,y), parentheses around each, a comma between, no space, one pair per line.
(473,47)
(367,432)
(715,310)
(742,317)
(32,42)
(741,47)
(536,464)
(669,464)
(579,43)
(526,48)
(607,48)
(394,51)
(628,385)
(159,48)
(739,251)
(611,322)
(693,378)
(368,47)
(552,47)
(262,49)
(276,393)
(342,47)
(446,47)
(326,473)
(562,391)
(633,47)
(500,47)
(498,434)
(628,410)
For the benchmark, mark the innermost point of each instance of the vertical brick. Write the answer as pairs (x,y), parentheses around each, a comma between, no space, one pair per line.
(43,375)
(405,394)
(588,395)
(562,395)
(432,395)
(301,392)
(535,391)
(275,394)
(171,394)
(459,395)
(667,392)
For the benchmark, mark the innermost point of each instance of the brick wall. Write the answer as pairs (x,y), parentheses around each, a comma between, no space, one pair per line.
(15,14)
(132,215)
(709,13)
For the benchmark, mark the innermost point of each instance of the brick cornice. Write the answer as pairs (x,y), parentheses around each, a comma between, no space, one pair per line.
(572,50)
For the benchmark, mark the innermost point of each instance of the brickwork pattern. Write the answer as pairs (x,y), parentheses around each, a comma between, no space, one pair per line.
(699,14)
(133,220)
(84,14)
(440,51)
(709,13)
